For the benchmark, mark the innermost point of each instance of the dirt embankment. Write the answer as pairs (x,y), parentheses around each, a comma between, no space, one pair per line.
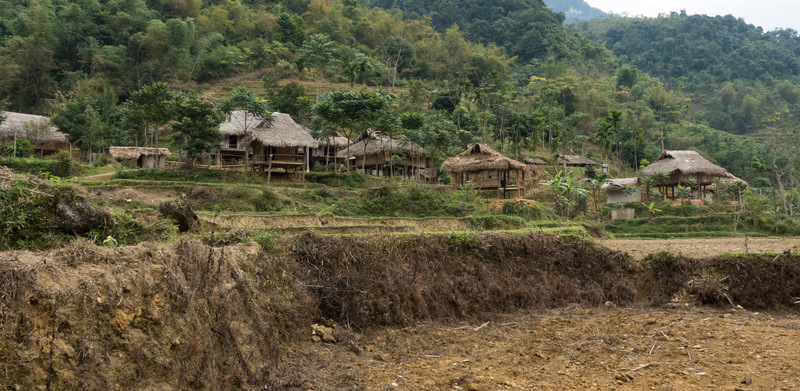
(700,248)
(186,316)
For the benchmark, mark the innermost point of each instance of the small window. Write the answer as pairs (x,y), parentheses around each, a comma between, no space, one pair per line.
(233,141)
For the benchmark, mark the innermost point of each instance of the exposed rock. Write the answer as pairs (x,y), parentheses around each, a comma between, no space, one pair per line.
(181,212)
(323,333)
(75,214)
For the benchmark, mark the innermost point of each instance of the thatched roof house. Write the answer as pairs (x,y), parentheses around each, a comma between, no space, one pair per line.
(373,143)
(36,128)
(575,160)
(534,161)
(150,158)
(685,162)
(282,144)
(283,132)
(684,166)
(486,168)
(372,152)
(481,157)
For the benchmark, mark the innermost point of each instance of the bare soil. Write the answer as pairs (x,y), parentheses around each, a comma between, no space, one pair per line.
(680,348)
(700,248)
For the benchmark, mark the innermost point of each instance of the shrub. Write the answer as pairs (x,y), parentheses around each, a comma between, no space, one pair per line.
(22,148)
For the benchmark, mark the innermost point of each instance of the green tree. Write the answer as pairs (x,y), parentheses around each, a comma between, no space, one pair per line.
(90,119)
(595,185)
(289,99)
(318,50)
(196,126)
(397,52)
(683,192)
(146,111)
(349,113)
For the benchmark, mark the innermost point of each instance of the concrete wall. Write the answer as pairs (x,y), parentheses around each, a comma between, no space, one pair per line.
(619,196)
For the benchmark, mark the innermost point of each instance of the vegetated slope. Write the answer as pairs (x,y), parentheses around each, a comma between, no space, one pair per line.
(575,10)
(526,28)
(738,75)
(190,316)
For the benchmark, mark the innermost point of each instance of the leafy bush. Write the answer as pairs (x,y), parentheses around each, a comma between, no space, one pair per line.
(22,148)
(267,240)
(417,200)
(527,212)
(269,201)
(337,179)
(61,165)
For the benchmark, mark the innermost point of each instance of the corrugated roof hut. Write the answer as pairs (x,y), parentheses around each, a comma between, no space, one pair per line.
(149,158)
(36,128)
(373,153)
(682,167)
(575,160)
(486,168)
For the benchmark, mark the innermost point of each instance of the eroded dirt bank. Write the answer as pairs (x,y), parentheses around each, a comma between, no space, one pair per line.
(408,307)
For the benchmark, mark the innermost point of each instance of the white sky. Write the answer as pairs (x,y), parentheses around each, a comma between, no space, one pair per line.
(769,14)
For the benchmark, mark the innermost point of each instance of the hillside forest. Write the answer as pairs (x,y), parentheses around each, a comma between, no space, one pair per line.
(507,73)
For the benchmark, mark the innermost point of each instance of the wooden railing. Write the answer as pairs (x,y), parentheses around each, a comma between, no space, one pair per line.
(278,158)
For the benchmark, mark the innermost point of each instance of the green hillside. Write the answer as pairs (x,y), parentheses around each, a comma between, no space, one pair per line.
(505,73)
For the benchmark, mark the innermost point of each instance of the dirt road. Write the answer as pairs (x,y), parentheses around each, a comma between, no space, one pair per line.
(698,248)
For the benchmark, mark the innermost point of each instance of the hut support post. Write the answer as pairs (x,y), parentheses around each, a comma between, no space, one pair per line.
(269,164)
(499,182)
(519,186)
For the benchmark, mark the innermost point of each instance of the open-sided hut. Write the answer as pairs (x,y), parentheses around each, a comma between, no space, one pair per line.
(622,190)
(148,158)
(487,169)
(574,160)
(682,167)
(37,129)
(379,155)
(283,144)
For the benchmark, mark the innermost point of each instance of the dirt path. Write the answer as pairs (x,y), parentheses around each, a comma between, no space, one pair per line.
(640,248)
(588,349)
(99,177)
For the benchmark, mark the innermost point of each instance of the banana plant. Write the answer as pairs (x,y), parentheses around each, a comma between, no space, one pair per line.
(651,211)
(565,192)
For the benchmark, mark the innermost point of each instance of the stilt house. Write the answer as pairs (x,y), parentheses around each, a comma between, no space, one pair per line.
(682,167)
(37,129)
(379,155)
(488,169)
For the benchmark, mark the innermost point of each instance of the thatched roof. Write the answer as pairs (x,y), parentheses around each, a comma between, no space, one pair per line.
(125,153)
(283,132)
(687,162)
(371,143)
(575,160)
(729,178)
(535,161)
(21,125)
(335,141)
(620,183)
(481,157)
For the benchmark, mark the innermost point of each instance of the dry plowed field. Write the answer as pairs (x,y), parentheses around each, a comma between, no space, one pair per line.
(677,348)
